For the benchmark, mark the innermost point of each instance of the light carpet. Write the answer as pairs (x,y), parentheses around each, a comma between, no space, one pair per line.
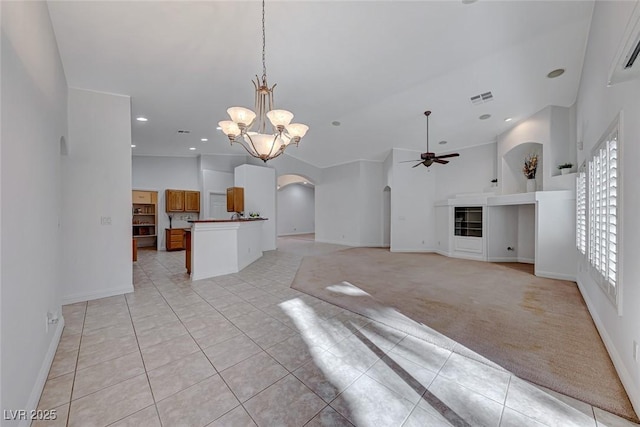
(539,329)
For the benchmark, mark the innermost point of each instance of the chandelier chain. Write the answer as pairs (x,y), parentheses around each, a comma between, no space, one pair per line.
(264,66)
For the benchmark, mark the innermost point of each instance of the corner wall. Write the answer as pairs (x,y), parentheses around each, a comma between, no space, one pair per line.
(96,177)
(260,196)
(296,210)
(32,121)
(597,106)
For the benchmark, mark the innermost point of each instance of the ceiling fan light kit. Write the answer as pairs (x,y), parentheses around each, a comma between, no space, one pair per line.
(429,158)
(260,144)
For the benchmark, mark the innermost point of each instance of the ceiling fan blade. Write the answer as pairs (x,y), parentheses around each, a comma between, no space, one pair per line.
(442,162)
(407,161)
(448,155)
(416,165)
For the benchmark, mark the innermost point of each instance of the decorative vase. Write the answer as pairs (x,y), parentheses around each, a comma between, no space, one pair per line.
(531,185)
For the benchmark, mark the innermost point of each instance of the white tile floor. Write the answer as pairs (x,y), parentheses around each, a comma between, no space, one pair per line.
(245,350)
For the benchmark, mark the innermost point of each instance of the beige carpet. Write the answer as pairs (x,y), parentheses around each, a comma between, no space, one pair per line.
(538,329)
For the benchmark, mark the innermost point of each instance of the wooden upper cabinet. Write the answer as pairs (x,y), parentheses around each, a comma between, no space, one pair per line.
(235,199)
(141,197)
(191,201)
(174,200)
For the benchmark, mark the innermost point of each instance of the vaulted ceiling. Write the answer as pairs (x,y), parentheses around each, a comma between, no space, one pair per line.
(373,66)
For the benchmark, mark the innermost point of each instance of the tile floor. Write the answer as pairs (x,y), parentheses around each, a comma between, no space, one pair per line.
(246,350)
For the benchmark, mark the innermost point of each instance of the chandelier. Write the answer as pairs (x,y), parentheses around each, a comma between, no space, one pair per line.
(260,143)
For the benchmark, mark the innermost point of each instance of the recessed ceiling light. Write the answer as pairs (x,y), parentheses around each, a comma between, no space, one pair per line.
(484,116)
(508,119)
(192,148)
(468,1)
(442,142)
(305,182)
(133,145)
(203,139)
(336,123)
(141,119)
(555,73)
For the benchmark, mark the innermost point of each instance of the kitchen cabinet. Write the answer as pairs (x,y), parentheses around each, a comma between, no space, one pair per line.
(144,217)
(182,201)
(191,201)
(235,199)
(175,239)
(174,200)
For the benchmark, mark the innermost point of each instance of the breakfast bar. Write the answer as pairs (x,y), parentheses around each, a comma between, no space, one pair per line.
(220,247)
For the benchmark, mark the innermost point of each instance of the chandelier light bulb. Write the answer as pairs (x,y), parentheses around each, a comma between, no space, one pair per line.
(229,128)
(297,130)
(243,117)
(280,118)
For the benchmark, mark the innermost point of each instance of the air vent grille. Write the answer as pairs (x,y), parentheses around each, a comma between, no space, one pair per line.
(483,98)
(183,131)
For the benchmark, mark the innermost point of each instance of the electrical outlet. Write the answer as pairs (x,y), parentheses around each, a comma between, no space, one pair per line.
(105,220)
(636,350)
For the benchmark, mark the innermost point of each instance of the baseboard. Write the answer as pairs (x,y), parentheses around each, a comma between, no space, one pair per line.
(502,259)
(41,379)
(337,242)
(81,297)
(443,253)
(632,390)
(296,233)
(557,276)
(415,250)
(511,259)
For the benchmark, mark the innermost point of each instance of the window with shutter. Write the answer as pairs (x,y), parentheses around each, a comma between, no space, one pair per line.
(581,211)
(598,216)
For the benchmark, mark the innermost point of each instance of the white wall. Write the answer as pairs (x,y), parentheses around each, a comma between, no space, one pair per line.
(503,227)
(413,194)
(214,182)
(350,203)
(371,203)
(526,233)
(472,172)
(34,117)
(597,106)
(285,164)
(160,173)
(296,210)
(550,127)
(96,177)
(260,196)
(337,207)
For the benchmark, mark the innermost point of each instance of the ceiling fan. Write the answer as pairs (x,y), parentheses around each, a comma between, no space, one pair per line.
(429,158)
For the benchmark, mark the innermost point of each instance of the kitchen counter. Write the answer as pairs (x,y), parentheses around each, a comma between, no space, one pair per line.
(220,247)
(228,220)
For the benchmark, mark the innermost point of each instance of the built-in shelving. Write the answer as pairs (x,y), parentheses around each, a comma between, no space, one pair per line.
(468,221)
(144,218)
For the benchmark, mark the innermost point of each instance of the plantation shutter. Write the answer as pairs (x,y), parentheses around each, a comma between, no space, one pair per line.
(581,211)
(602,212)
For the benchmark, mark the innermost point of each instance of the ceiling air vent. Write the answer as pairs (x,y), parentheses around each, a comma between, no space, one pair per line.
(625,66)
(182,131)
(482,98)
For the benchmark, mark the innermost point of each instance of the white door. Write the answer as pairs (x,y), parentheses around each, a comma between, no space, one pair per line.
(218,206)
